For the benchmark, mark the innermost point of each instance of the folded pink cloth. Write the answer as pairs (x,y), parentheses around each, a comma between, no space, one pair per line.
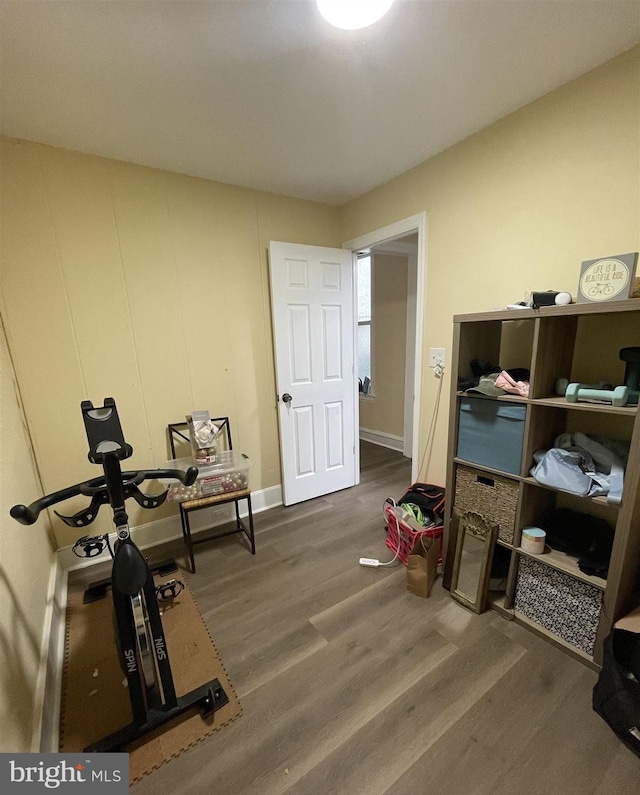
(506,382)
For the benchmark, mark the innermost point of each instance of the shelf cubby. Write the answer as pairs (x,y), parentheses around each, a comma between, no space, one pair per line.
(579,342)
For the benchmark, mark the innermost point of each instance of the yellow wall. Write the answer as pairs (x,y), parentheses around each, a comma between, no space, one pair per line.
(148,286)
(384,412)
(152,287)
(26,565)
(518,207)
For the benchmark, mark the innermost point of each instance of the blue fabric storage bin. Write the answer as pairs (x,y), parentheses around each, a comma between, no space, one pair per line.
(491,433)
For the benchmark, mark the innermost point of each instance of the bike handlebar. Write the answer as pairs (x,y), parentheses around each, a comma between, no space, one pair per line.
(28,514)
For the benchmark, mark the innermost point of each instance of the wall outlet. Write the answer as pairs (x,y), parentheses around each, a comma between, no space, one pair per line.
(220,515)
(436,357)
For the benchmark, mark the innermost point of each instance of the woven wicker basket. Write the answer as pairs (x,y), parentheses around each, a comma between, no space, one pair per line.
(490,495)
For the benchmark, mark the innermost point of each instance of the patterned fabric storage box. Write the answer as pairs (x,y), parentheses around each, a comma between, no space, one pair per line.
(491,433)
(489,495)
(558,602)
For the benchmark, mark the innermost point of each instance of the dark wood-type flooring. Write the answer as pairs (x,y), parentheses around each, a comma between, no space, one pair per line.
(350,685)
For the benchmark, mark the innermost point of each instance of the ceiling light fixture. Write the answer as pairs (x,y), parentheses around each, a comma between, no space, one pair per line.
(353,14)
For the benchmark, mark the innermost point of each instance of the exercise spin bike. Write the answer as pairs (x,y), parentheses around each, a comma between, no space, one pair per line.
(140,640)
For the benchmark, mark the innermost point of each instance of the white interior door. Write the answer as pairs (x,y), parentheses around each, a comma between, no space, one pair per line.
(312,309)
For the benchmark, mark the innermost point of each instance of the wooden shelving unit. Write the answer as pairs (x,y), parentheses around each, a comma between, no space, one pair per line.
(580,342)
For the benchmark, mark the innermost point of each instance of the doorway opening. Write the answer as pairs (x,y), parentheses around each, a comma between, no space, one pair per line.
(392,397)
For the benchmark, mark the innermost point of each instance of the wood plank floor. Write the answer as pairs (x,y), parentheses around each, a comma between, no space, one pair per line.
(350,685)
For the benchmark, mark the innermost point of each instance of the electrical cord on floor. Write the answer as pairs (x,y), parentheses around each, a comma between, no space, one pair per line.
(374,563)
(393,559)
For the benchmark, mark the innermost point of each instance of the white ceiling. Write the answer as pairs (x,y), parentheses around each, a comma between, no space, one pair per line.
(266,95)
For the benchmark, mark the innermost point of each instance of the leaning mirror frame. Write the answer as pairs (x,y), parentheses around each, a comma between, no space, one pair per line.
(472,526)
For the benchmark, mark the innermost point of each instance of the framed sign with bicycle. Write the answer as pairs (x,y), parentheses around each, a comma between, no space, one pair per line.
(607,278)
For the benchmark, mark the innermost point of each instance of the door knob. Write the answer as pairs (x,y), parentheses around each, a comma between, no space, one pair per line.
(286,398)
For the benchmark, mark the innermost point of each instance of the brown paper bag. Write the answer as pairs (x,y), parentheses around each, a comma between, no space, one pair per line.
(422,566)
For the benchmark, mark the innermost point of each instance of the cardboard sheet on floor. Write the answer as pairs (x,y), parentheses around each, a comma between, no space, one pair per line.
(95,701)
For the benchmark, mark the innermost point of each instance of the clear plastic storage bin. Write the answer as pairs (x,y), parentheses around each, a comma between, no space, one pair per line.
(229,473)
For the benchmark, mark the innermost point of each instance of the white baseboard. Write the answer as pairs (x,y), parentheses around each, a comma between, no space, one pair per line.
(164,530)
(49,688)
(382,439)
